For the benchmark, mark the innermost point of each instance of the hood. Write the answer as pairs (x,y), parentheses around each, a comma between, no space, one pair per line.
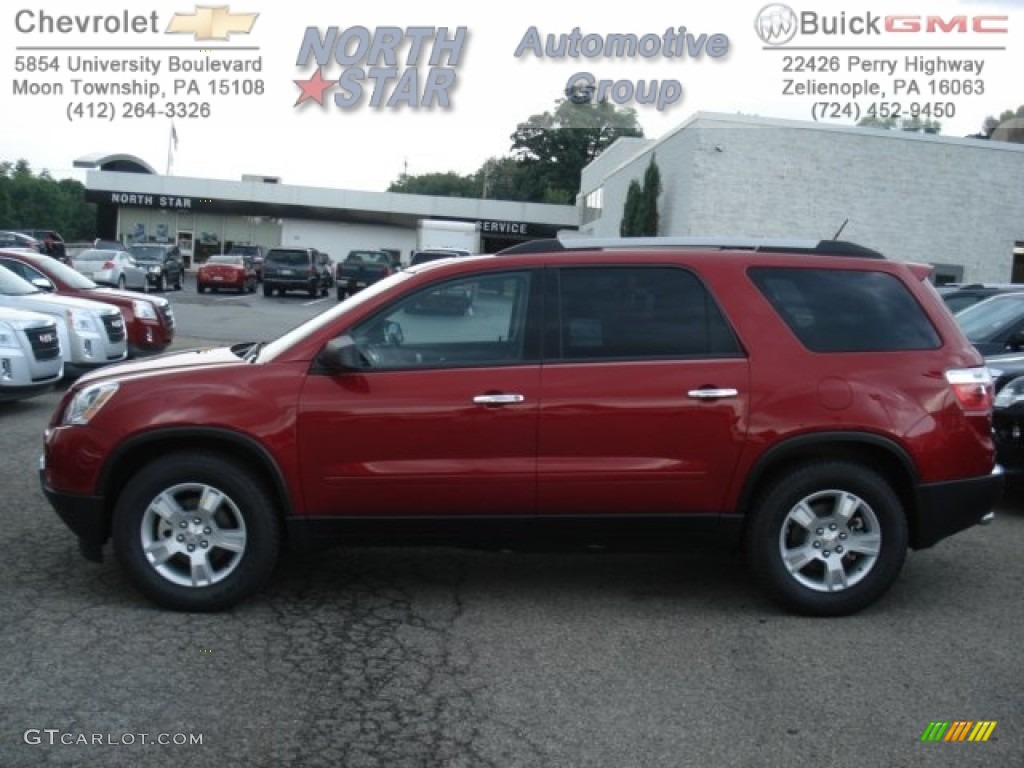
(23,318)
(113,295)
(51,303)
(190,359)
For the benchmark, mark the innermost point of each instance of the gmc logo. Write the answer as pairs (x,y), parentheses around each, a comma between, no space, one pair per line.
(47,338)
(986,24)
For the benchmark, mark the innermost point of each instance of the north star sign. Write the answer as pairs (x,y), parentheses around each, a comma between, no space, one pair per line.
(151,201)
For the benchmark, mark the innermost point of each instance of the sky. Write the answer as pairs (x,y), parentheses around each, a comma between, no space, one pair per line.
(264,123)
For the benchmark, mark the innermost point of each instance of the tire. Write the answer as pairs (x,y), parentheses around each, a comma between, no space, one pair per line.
(161,284)
(267,291)
(827,539)
(120,283)
(179,284)
(341,293)
(200,288)
(157,513)
(314,290)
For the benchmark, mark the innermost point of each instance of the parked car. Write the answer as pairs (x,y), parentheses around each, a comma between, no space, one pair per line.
(20,240)
(115,268)
(960,297)
(227,271)
(162,263)
(149,320)
(360,269)
(30,358)
(1008,426)
(52,242)
(995,325)
(297,269)
(254,252)
(816,405)
(91,334)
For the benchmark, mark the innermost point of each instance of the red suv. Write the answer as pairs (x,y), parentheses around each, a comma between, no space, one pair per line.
(814,403)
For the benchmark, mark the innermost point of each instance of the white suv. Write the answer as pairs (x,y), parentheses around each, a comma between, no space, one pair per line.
(30,358)
(91,333)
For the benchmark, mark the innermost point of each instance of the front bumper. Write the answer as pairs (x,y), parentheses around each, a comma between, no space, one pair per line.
(84,515)
(943,509)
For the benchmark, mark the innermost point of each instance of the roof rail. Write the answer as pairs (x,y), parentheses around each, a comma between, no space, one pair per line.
(571,241)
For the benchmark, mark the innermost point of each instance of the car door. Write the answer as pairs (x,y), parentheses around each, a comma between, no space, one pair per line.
(441,419)
(644,394)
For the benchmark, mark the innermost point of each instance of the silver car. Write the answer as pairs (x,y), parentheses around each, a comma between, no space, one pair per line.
(116,268)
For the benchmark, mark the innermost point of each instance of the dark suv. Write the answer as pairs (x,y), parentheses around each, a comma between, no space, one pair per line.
(162,263)
(812,403)
(297,269)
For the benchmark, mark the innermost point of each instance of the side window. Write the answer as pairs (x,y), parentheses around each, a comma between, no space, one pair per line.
(456,323)
(839,310)
(23,271)
(638,312)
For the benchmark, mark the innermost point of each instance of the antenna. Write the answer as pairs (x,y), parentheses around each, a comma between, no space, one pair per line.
(841,228)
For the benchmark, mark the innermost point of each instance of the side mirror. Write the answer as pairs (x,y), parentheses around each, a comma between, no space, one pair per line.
(341,355)
(42,284)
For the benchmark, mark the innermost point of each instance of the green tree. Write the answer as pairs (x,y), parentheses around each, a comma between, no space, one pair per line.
(556,146)
(29,200)
(640,211)
(909,124)
(1009,126)
(448,184)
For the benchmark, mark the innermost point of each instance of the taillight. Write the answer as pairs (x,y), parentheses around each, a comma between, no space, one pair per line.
(108,265)
(972,388)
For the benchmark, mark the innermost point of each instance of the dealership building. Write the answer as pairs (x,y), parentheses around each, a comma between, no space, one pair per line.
(957,203)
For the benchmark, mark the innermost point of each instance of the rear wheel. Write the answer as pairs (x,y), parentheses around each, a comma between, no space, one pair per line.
(267,290)
(341,293)
(828,538)
(120,282)
(196,531)
(200,288)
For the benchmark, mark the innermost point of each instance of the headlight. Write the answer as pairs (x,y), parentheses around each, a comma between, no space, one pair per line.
(7,336)
(1011,394)
(80,321)
(143,309)
(155,270)
(87,403)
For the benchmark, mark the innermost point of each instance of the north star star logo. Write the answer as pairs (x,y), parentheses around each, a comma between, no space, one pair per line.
(313,88)
(211,22)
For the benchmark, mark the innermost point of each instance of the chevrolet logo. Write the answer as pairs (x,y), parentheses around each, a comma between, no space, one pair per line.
(212,22)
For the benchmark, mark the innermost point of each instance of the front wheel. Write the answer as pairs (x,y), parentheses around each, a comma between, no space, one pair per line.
(196,532)
(161,284)
(827,539)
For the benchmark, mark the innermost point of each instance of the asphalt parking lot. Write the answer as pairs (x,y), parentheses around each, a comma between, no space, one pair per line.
(416,657)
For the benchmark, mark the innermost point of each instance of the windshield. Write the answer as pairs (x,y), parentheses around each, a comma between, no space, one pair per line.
(275,348)
(288,258)
(368,257)
(988,317)
(245,250)
(224,258)
(147,252)
(12,285)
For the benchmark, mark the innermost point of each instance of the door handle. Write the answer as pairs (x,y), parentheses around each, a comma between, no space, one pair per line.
(498,399)
(712,393)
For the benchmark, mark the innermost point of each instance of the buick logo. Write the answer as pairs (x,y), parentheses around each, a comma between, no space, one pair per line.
(776,24)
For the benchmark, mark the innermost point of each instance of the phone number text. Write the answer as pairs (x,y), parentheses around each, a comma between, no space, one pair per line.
(882,110)
(135,110)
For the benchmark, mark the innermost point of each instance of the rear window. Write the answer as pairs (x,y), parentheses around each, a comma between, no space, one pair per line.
(836,310)
(94,256)
(288,258)
(225,258)
(368,257)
